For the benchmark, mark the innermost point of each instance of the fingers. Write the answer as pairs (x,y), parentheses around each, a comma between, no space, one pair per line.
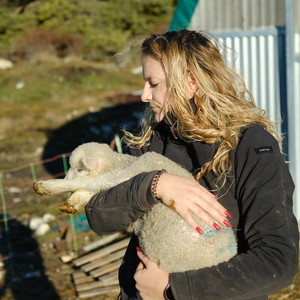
(187,197)
(190,221)
(210,211)
(205,218)
(145,261)
(140,267)
(202,204)
(140,253)
(150,280)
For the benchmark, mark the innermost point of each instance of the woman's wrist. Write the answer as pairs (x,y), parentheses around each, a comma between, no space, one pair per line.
(155,183)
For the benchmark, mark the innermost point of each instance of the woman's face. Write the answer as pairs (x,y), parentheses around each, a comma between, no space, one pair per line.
(155,88)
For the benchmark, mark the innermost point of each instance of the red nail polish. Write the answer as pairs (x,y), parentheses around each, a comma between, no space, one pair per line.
(216,226)
(138,249)
(227,223)
(214,195)
(228,214)
(199,230)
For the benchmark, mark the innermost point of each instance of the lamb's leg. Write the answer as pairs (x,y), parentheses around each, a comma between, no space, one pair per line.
(76,201)
(97,182)
(51,186)
(55,186)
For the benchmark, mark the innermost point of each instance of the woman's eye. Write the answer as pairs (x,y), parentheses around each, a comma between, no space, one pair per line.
(152,85)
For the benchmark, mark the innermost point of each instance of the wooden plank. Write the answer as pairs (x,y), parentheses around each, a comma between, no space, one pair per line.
(100,291)
(95,284)
(102,242)
(109,277)
(78,274)
(106,269)
(82,280)
(100,253)
(103,260)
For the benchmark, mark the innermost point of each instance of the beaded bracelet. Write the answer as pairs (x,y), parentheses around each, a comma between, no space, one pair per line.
(155,182)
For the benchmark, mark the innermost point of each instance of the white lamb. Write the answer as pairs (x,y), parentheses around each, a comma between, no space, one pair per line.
(163,235)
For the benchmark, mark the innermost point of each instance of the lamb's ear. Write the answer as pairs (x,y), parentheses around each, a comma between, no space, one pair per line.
(91,163)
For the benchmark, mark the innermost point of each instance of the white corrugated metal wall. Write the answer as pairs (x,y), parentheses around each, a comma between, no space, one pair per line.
(228,15)
(250,27)
(295,122)
(259,69)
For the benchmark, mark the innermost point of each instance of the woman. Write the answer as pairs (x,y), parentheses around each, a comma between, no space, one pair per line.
(201,115)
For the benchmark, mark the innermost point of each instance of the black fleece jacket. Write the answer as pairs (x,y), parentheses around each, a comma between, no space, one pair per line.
(259,196)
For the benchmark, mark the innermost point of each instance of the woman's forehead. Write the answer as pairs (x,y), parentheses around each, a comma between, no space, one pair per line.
(152,68)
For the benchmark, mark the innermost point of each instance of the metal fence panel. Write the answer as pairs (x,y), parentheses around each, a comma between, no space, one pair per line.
(255,57)
(296,123)
(228,15)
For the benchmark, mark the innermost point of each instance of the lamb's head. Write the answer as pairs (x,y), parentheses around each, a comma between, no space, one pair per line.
(89,159)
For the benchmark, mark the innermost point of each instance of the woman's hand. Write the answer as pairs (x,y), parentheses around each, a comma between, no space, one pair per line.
(150,280)
(186,197)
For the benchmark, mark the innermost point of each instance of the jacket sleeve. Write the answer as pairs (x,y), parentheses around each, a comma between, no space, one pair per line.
(268,230)
(116,208)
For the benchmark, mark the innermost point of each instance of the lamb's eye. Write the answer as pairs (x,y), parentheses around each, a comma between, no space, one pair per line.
(79,170)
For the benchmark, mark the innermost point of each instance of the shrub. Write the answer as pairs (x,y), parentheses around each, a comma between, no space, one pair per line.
(97,28)
(38,43)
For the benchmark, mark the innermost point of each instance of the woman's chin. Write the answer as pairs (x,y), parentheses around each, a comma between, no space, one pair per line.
(158,117)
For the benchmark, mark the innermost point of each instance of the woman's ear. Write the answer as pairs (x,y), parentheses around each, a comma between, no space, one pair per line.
(193,86)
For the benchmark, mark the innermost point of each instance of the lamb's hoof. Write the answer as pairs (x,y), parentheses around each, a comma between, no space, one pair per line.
(68,209)
(40,188)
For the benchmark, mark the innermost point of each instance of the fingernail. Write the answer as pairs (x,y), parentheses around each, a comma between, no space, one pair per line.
(214,195)
(227,223)
(228,214)
(138,249)
(199,230)
(216,226)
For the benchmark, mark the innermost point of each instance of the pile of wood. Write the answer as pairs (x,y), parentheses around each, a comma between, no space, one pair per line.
(96,271)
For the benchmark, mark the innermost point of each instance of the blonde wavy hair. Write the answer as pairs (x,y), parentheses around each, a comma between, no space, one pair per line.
(222,105)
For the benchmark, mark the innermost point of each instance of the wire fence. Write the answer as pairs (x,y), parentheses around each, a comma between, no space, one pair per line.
(17,194)
(16,188)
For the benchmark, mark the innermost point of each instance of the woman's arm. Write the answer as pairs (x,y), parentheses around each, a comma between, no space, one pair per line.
(268,231)
(116,208)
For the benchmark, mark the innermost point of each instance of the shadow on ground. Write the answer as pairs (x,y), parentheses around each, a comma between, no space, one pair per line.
(25,275)
(101,126)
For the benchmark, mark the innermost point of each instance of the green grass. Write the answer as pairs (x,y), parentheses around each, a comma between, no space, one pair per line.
(59,80)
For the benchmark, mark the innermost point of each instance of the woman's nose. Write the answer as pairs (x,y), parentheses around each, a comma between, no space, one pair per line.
(146,94)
